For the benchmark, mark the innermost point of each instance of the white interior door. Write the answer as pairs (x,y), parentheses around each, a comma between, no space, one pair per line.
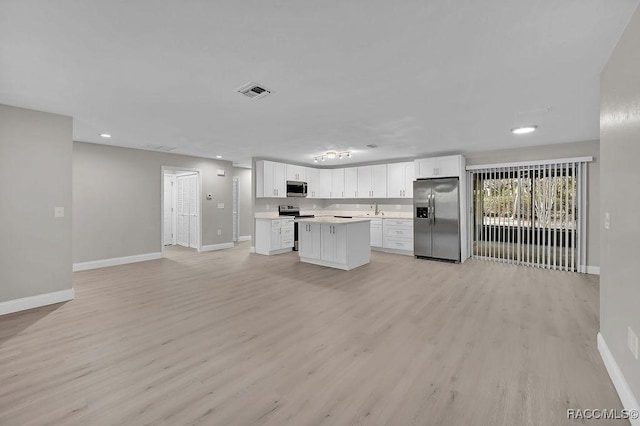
(182,213)
(168,207)
(193,210)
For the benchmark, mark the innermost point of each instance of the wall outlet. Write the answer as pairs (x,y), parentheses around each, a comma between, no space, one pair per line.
(314,206)
(632,342)
(267,206)
(58,212)
(219,231)
(607,220)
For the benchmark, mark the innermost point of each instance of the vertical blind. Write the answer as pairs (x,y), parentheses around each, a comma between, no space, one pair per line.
(530,214)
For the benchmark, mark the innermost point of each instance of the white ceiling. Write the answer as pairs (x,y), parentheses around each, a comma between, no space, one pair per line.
(414,77)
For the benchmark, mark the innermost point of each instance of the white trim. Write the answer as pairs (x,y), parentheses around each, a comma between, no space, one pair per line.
(593,270)
(103,263)
(213,247)
(24,303)
(252,249)
(531,163)
(627,398)
(244,238)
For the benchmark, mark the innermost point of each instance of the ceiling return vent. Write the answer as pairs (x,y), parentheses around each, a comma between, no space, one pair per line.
(253,90)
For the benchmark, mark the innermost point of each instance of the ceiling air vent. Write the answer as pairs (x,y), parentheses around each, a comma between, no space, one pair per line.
(253,90)
(160,147)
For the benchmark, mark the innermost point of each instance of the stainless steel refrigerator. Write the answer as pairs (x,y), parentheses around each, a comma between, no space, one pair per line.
(436,218)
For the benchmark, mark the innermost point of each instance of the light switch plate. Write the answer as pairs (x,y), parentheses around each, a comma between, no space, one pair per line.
(607,220)
(58,212)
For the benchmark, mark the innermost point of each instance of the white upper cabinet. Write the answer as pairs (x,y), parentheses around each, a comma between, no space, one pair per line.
(271,179)
(449,166)
(372,181)
(337,183)
(313,182)
(400,178)
(324,190)
(297,173)
(351,182)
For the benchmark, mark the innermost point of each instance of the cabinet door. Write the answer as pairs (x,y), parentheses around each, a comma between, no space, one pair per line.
(379,181)
(351,182)
(295,172)
(340,241)
(267,180)
(409,176)
(309,239)
(337,183)
(365,174)
(280,180)
(324,190)
(275,237)
(449,166)
(328,243)
(426,168)
(376,232)
(396,180)
(313,180)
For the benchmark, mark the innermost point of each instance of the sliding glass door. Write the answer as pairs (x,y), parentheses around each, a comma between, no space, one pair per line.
(529,214)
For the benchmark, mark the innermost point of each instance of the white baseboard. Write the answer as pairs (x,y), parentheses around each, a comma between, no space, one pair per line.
(629,400)
(213,247)
(31,302)
(244,238)
(593,270)
(94,264)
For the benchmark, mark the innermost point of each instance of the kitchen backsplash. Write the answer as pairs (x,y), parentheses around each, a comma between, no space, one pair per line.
(352,205)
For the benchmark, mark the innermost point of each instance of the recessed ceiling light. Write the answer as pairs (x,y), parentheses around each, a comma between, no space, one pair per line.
(523,129)
(105,135)
(218,156)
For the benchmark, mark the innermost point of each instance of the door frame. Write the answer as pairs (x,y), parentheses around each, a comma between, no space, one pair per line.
(173,211)
(198,172)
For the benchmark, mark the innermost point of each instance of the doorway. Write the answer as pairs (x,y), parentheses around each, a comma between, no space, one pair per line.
(181,208)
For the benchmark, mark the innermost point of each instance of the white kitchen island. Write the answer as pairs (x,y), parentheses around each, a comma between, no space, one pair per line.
(334,242)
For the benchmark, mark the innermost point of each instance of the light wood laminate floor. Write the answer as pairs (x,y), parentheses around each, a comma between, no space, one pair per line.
(232,338)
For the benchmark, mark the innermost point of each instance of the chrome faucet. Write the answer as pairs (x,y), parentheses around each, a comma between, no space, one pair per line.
(377,212)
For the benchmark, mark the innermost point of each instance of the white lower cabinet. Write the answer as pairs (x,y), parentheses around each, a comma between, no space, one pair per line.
(274,236)
(336,245)
(397,235)
(309,240)
(333,243)
(376,232)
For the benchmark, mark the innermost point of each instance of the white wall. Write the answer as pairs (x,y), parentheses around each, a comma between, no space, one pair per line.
(35,171)
(620,183)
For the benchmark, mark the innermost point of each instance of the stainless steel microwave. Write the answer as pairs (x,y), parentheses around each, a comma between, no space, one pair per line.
(296,188)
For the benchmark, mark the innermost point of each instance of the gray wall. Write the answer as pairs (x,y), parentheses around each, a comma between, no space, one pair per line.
(35,170)
(549,152)
(620,180)
(116,200)
(244,201)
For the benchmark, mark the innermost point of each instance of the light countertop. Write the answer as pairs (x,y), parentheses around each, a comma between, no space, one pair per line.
(332,220)
(331,213)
